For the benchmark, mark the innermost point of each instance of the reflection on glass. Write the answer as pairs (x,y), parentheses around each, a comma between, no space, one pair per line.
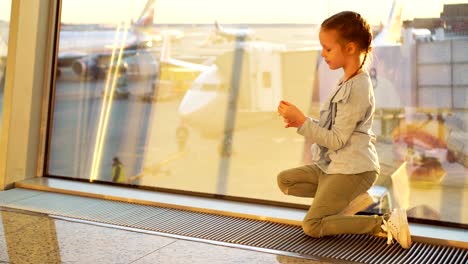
(192,105)
(5,6)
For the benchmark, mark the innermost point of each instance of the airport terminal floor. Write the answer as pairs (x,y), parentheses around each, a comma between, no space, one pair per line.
(27,237)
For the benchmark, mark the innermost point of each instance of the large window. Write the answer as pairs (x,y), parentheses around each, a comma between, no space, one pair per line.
(151,94)
(5,9)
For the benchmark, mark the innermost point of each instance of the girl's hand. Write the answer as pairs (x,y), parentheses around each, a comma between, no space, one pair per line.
(293,117)
(294,124)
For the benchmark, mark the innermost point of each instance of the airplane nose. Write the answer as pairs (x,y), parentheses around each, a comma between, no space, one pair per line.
(204,110)
(195,101)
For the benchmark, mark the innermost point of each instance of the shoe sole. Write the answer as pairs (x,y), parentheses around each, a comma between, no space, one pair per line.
(360,203)
(405,235)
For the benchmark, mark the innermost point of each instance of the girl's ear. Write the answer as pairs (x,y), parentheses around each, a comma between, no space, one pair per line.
(351,48)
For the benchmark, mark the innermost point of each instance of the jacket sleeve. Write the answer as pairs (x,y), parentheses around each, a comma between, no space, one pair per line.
(352,105)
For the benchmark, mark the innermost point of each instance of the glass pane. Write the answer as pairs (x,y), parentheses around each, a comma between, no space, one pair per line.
(5,9)
(152,94)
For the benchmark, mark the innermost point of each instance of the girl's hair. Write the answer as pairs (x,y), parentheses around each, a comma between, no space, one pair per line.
(352,27)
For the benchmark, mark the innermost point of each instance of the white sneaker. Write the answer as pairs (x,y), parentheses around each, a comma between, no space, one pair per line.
(360,203)
(397,228)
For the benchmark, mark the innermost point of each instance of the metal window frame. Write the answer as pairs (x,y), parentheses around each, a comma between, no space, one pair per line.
(28,79)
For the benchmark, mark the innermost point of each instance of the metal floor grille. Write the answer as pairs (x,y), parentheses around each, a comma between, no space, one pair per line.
(227,229)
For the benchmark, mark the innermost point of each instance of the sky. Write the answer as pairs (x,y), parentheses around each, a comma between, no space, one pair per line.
(236,11)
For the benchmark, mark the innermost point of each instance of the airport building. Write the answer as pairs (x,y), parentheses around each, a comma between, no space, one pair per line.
(134,132)
(455,19)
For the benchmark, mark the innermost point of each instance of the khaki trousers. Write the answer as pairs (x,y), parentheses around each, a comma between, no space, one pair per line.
(332,193)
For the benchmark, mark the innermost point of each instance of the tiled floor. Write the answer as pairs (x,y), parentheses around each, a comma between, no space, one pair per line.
(33,238)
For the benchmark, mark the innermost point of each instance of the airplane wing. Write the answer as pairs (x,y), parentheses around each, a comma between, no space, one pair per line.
(185,64)
(233,33)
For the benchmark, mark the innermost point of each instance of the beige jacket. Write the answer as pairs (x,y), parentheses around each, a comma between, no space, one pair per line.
(344,141)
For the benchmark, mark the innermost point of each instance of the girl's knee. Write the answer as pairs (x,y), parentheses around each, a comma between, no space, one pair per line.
(282,182)
(312,228)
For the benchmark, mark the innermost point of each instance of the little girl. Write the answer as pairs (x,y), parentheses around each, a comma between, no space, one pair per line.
(345,163)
